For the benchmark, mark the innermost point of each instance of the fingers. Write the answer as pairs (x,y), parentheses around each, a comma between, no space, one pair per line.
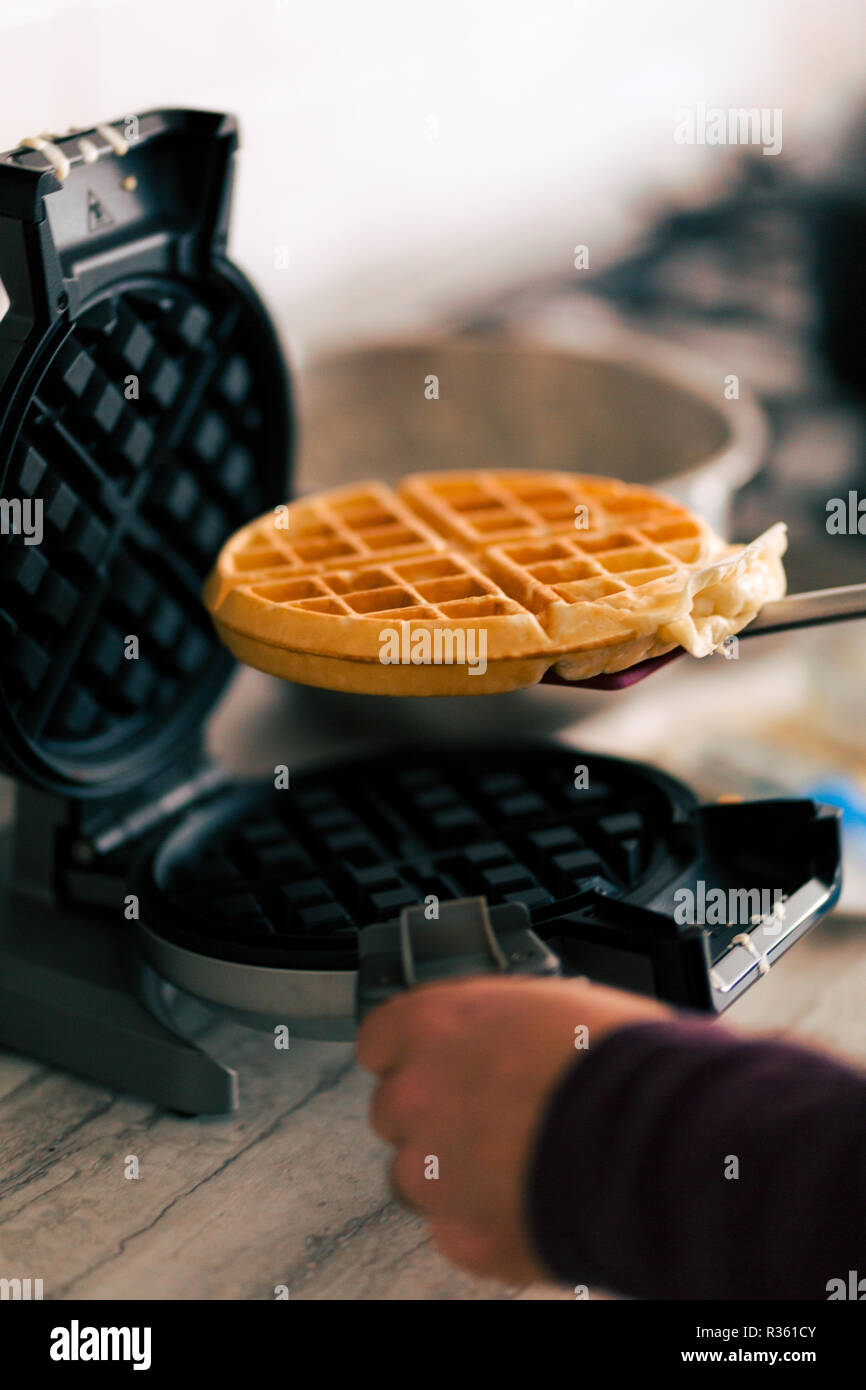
(396,1106)
(382,1037)
(403,1114)
(463,1068)
(484,1246)
(390,1033)
(463,1245)
(413,1184)
(485,1251)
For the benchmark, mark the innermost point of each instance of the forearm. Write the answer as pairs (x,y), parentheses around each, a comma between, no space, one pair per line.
(679,1161)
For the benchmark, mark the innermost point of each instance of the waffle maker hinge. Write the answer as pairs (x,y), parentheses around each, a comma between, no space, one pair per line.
(66,852)
(67,993)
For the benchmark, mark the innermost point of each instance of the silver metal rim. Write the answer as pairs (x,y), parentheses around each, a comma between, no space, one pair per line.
(316,1003)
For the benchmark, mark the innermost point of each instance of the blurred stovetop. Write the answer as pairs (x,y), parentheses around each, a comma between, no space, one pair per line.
(766,279)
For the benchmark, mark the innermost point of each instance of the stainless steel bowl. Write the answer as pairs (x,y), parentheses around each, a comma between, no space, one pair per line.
(629,408)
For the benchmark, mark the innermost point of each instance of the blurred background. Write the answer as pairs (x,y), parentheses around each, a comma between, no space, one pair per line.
(525,200)
(410,158)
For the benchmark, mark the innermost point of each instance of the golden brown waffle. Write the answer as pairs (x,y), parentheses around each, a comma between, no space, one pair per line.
(464,583)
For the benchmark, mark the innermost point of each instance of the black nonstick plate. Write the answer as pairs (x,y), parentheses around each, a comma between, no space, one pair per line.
(594,847)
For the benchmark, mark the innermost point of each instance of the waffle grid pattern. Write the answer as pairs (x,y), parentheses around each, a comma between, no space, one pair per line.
(305,871)
(531,546)
(604,568)
(137,497)
(345,529)
(444,586)
(483,508)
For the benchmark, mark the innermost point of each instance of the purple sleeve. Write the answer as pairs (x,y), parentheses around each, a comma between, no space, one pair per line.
(632,1188)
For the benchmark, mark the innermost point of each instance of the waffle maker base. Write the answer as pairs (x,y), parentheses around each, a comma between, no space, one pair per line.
(255,902)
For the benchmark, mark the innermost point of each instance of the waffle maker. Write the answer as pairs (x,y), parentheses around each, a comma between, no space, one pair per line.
(144,403)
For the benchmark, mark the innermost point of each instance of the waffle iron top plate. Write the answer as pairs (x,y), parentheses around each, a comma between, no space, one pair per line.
(144,416)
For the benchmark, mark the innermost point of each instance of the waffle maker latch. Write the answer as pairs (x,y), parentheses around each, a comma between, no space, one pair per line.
(467,937)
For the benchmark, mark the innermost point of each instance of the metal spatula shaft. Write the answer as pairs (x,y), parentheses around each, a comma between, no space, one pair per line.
(810,609)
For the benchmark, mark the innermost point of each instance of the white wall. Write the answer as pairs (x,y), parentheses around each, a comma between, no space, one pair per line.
(552,116)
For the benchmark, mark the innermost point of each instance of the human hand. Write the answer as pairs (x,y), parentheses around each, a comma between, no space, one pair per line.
(466,1071)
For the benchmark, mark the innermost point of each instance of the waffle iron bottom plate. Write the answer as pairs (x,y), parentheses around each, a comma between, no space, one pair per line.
(254,902)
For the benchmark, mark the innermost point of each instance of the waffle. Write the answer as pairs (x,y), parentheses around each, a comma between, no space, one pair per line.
(471,582)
